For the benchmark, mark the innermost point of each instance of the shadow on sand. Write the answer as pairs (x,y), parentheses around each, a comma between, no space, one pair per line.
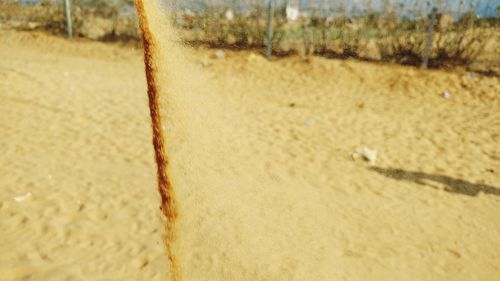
(451,185)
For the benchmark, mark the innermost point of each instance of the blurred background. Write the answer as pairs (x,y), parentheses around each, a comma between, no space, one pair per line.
(435,33)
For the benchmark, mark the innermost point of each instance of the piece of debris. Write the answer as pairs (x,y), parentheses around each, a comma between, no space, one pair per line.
(229,15)
(308,122)
(205,63)
(470,75)
(219,54)
(292,12)
(367,154)
(22,198)
(446,95)
(33,25)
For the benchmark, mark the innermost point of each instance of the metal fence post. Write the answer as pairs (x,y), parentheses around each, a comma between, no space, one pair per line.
(269,44)
(428,43)
(67,12)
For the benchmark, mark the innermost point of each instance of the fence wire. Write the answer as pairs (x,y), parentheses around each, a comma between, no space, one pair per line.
(459,33)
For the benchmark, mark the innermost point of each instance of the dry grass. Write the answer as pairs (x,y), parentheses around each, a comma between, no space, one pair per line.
(89,21)
(372,37)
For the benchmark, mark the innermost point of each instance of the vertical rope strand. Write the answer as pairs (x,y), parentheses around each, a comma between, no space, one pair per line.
(164,185)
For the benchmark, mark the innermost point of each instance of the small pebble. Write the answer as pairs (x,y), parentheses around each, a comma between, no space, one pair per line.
(219,54)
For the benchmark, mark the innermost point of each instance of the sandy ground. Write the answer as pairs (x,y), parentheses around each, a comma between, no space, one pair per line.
(261,157)
(75,133)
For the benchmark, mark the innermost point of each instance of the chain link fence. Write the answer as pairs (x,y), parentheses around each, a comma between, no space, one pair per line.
(94,19)
(429,33)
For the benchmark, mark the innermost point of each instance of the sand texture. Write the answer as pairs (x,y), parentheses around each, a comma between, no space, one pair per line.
(262,159)
(75,133)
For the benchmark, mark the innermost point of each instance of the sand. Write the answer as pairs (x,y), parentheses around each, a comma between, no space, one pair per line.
(75,133)
(261,159)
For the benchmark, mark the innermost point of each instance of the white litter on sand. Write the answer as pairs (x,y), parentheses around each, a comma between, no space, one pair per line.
(22,198)
(367,154)
(219,54)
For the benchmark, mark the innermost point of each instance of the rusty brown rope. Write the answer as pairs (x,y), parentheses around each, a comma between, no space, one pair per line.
(164,184)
